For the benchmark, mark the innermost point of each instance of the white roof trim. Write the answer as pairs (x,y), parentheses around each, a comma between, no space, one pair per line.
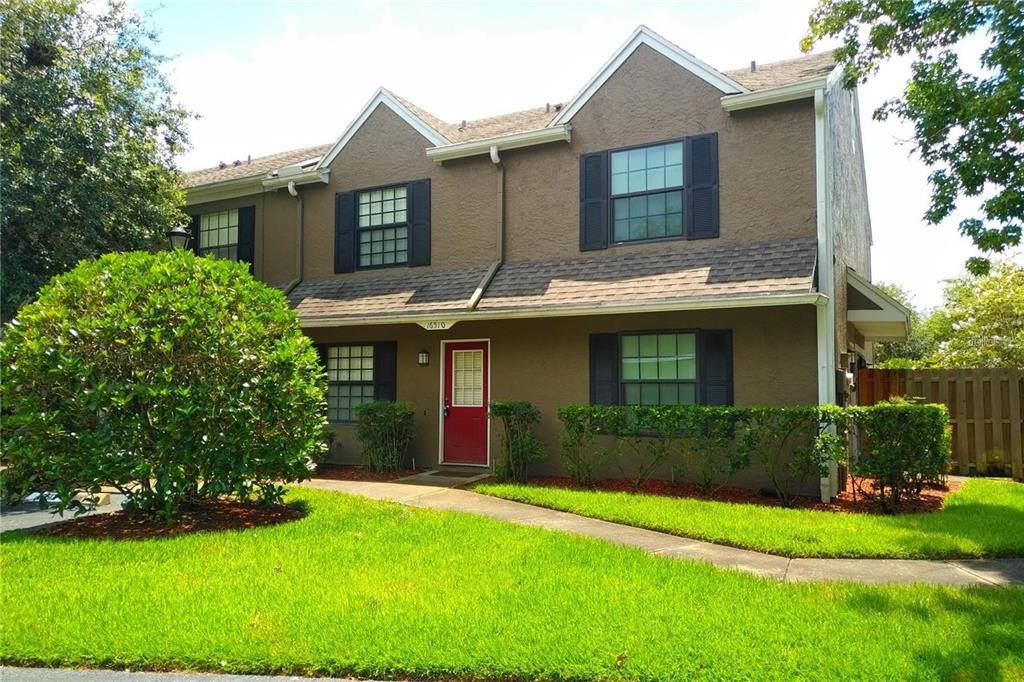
(874,294)
(528,138)
(777,95)
(891,322)
(384,97)
(453,316)
(645,36)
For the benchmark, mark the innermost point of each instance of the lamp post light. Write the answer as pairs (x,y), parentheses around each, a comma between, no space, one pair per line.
(179,238)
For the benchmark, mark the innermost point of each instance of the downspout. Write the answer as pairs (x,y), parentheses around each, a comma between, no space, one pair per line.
(299,229)
(825,317)
(474,300)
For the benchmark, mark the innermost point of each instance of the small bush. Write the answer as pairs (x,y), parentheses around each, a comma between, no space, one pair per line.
(519,444)
(385,430)
(902,445)
(169,377)
(579,455)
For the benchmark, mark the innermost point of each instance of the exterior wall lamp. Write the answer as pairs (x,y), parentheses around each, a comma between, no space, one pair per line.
(178,237)
(423,358)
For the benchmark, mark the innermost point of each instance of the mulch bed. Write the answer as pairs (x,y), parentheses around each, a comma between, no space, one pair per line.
(930,499)
(342,472)
(212,515)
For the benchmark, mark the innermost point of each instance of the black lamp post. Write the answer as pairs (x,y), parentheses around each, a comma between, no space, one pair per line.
(178,237)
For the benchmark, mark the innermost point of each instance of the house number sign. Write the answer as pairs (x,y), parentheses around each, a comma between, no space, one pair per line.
(438,325)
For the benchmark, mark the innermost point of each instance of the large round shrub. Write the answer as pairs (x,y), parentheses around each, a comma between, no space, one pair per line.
(170,377)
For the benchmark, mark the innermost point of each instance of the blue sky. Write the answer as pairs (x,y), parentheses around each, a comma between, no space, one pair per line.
(270,76)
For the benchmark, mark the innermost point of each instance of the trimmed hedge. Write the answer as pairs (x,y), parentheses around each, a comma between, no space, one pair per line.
(519,444)
(385,430)
(904,445)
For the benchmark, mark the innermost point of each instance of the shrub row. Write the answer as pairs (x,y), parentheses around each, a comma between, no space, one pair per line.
(902,445)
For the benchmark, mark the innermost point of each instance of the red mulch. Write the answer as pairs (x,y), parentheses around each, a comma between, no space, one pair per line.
(930,499)
(211,515)
(344,472)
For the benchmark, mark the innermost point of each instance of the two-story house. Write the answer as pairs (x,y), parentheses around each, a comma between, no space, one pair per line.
(671,234)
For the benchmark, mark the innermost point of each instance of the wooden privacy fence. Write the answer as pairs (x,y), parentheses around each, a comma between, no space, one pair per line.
(986,410)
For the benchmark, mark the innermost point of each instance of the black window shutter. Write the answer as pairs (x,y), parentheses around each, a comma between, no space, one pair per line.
(702,186)
(385,370)
(604,369)
(716,367)
(321,350)
(594,201)
(196,221)
(419,222)
(247,234)
(345,232)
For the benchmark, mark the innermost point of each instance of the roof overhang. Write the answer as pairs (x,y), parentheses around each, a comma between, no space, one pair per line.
(889,320)
(528,138)
(255,184)
(768,96)
(645,36)
(445,319)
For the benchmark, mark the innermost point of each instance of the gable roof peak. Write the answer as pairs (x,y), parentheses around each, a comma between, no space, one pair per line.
(643,35)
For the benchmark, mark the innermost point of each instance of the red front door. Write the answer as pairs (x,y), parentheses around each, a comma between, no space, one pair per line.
(466,392)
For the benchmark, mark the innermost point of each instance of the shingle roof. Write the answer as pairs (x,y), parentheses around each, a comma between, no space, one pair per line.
(261,166)
(434,292)
(787,71)
(761,269)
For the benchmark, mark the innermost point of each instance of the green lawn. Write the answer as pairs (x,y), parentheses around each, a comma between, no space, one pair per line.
(985,518)
(376,589)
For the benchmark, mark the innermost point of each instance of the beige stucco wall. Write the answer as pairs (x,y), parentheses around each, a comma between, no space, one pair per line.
(277,222)
(546,361)
(766,161)
(385,150)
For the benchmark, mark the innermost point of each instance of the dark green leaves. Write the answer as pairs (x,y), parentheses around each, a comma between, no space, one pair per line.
(167,376)
(969,127)
(88,132)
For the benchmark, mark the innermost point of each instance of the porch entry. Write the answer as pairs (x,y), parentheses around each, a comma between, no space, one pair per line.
(465,391)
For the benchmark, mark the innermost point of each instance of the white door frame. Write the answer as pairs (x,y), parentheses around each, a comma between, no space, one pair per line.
(440,401)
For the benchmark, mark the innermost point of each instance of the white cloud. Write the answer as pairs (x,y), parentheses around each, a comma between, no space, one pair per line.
(305,83)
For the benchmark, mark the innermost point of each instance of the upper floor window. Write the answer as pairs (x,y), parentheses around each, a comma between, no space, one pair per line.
(383,227)
(641,207)
(218,234)
(661,191)
(227,234)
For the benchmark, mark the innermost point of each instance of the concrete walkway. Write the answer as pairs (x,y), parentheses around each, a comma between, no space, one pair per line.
(434,492)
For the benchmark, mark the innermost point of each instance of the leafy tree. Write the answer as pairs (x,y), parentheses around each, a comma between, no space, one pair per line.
(88,132)
(968,127)
(981,324)
(984,320)
(170,377)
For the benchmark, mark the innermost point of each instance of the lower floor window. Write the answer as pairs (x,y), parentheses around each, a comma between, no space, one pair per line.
(349,380)
(659,369)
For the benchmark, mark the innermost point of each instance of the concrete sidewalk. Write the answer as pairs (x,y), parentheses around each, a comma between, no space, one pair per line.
(418,491)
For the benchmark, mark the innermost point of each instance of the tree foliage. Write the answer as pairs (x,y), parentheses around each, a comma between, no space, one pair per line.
(968,127)
(981,324)
(169,377)
(88,132)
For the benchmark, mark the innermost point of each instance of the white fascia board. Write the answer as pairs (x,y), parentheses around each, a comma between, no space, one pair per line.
(529,138)
(305,178)
(768,96)
(875,295)
(645,36)
(811,298)
(227,189)
(384,97)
